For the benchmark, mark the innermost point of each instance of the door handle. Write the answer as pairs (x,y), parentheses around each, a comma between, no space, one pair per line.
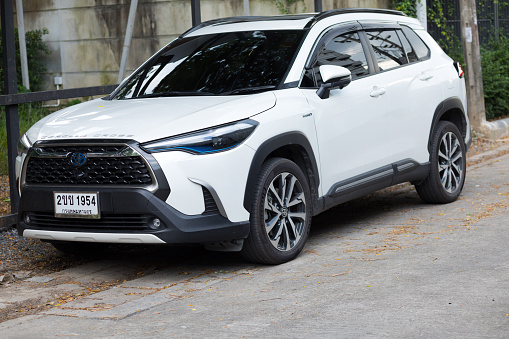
(425,76)
(377,91)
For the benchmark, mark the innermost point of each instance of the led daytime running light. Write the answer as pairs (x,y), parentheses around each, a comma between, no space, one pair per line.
(212,140)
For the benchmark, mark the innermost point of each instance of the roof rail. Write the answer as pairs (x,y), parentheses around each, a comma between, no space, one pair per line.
(238,19)
(315,17)
(332,12)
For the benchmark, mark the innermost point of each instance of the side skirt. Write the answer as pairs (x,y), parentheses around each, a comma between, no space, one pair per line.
(360,185)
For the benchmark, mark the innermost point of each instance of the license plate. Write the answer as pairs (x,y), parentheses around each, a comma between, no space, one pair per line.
(76,205)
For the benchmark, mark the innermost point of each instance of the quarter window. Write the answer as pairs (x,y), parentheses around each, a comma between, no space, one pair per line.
(410,53)
(420,48)
(388,49)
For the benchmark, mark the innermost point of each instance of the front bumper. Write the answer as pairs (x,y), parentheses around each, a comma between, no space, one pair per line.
(126,217)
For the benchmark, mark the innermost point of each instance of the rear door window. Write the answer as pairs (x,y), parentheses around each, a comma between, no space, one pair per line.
(388,49)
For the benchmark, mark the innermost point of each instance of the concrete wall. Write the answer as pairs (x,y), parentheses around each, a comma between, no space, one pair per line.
(86,36)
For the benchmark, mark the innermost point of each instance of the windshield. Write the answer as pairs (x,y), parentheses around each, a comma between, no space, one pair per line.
(216,64)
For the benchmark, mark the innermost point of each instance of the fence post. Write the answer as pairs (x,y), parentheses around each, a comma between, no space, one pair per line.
(495,14)
(195,12)
(318,6)
(127,40)
(10,87)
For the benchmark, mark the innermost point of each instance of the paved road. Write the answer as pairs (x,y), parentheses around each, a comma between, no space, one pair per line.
(385,266)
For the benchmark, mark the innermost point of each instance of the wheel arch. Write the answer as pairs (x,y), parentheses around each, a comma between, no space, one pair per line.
(293,146)
(451,110)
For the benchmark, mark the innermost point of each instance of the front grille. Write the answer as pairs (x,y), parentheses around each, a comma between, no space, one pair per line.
(96,171)
(134,222)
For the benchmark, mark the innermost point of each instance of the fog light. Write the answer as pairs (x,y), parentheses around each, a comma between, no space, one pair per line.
(27,219)
(155,223)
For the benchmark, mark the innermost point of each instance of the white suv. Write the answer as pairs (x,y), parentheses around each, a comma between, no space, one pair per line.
(235,134)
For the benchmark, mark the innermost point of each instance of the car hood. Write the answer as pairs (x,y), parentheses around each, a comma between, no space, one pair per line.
(147,119)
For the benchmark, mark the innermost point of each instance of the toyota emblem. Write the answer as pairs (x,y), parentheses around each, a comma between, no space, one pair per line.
(78,159)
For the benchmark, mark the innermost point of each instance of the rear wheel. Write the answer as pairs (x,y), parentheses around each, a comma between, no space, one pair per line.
(280,214)
(446,177)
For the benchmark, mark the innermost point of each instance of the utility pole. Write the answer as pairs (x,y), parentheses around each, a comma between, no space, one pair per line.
(421,13)
(473,72)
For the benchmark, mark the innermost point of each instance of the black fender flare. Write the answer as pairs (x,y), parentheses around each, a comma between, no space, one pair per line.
(269,146)
(444,107)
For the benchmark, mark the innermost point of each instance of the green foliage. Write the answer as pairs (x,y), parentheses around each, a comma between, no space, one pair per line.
(495,69)
(288,6)
(438,12)
(36,48)
(29,114)
(409,7)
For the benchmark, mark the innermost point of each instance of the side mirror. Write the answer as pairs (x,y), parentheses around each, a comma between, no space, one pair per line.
(333,77)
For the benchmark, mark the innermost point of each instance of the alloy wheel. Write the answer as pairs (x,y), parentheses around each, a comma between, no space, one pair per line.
(285,211)
(450,162)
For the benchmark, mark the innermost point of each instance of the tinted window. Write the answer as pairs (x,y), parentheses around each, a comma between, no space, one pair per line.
(420,48)
(410,53)
(343,50)
(388,50)
(216,64)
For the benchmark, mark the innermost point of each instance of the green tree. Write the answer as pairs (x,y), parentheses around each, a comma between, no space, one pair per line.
(36,48)
(409,7)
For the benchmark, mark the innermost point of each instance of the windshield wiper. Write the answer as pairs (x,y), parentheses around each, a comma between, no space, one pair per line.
(246,90)
(172,94)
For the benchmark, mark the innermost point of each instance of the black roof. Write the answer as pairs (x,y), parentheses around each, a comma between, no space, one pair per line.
(313,17)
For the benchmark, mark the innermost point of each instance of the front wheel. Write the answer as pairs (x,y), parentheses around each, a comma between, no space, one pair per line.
(280,214)
(448,166)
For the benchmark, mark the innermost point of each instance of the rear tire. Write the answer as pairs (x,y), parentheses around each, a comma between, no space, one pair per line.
(446,177)
(280,214)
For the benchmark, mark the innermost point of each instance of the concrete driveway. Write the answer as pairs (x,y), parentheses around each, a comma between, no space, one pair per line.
(382,266)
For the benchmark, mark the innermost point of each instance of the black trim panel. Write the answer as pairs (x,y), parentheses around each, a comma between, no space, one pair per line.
(379,177)
(175,227)
(385,176)
(409,170)
(269,146)
(441,110)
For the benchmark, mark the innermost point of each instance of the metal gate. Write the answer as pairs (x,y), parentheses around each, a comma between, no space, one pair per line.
(492,20)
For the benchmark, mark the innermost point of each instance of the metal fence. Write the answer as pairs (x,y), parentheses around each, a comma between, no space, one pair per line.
(492,20)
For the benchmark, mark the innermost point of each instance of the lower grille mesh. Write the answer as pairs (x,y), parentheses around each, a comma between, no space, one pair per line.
(134,222)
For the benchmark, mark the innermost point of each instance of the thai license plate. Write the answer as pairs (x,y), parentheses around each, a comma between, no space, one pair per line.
(76,205)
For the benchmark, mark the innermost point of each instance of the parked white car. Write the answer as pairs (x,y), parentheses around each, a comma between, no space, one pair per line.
(235,134)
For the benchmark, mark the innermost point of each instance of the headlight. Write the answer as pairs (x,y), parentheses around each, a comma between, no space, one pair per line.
(24,145)
(211,140)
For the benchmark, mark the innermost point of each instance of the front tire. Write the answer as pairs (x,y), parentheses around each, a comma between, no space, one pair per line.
(280,214)
(445,180)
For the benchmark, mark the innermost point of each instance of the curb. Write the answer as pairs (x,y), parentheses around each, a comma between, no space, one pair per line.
(493,153)
(495,129)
